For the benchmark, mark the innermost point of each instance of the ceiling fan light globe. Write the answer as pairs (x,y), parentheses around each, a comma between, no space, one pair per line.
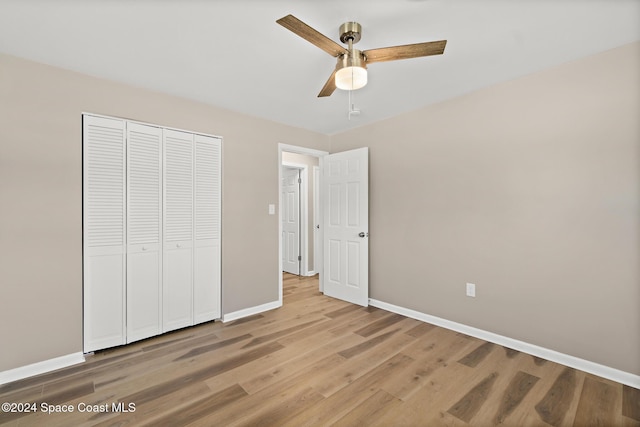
(351,78)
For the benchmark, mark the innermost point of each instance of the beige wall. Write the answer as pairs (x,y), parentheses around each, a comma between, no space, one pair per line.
(41,199)
(529,189)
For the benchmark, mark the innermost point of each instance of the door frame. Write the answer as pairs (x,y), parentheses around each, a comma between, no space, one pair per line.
(307,152)
(317,242)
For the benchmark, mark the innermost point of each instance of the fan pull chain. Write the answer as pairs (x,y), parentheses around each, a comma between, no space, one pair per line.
(352,106)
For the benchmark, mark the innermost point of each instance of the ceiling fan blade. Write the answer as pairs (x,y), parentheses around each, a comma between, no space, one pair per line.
(405,51)
(295,25)
(329,86)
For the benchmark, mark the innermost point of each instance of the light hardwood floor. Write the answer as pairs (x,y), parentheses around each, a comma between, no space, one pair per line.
(318,361)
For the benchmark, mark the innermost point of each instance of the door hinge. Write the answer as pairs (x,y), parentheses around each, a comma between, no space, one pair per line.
(299,181)
(299,257)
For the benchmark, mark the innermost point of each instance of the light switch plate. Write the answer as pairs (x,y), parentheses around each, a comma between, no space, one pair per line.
(272,209)
(471,290)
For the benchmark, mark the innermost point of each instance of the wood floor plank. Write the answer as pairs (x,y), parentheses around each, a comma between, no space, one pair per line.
(204,373)
(518,388)
(368,411)
(441,338)
(471,402)
(358,366)
(152,412)
(199,409)
(202,349)
(538,360)
(446,386)
(265,399)
(511,353)
(367,317)
(367,345)
(342,311)
(555,404)
(323,329)
(281,333)
(282,410)
(631,402)
(380,324)
(597,404)
(478,355)
(110,374)
(298,361)
(338,404)
(430,355)
(420,329)
(26,394)
(53,397)
(156,370)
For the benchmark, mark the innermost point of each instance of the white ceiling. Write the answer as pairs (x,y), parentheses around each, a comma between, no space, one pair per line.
(232,54)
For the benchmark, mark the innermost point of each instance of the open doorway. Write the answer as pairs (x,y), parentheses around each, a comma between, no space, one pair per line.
(306,163)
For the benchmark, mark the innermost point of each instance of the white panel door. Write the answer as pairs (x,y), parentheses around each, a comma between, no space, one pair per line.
(346,230)
(290,212)
(144,231)
(177,279)
(104,229)
(206,261)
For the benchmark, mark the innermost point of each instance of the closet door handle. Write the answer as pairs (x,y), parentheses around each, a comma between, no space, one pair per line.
(178,245)
(144,248)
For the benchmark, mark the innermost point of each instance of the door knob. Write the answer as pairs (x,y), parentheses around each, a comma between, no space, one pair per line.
(363,234)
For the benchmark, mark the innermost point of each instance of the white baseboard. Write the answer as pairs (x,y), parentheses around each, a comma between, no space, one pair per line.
(250,311)
(613,374)
(40,367)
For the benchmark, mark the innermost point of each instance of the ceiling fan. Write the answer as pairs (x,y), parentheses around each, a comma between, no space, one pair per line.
(351,71)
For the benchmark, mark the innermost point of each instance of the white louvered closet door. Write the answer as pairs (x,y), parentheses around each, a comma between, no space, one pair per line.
(104,232)
(206,267)
(177,281)
(144,231)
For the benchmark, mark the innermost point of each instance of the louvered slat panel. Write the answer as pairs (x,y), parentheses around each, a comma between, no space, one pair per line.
(104,224)
(144,205)
(104,202)
(178,188)
(207,188)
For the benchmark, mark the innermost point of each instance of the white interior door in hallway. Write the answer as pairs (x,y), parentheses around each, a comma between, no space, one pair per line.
(346,225)
(290,211)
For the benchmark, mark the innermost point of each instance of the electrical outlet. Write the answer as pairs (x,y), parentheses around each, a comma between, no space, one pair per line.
(471,290)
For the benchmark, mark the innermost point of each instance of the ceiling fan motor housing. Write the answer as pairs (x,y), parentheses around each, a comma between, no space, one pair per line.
(350,31)
(354,58)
